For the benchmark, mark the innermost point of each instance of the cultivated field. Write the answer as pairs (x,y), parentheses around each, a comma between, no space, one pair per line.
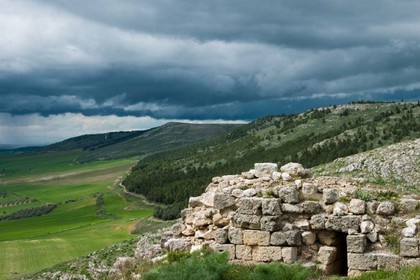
(92,211)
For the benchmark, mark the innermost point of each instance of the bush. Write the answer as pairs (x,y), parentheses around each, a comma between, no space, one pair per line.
(278,271)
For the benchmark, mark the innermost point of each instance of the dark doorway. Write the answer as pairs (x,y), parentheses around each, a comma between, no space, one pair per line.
(341,267)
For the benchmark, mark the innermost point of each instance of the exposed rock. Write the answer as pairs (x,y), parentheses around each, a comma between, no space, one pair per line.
(330,196)
(296,170)
(357,206)
(265,169)
(409,247)
(289,195)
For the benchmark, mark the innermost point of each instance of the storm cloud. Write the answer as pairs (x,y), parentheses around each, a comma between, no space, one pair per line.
(204,60)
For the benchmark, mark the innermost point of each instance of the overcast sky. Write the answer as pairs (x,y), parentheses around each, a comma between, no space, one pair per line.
(76,67)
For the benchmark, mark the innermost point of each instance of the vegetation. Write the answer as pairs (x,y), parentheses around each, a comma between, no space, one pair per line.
(315,137)
(29,212)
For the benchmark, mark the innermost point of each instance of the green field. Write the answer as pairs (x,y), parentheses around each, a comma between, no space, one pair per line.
(74,228)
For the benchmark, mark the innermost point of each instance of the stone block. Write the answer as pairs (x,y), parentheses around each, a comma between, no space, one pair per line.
(235,235)
(356,243)
(243,252)
(329,196)
(178,245)
(327,237)
(220,248)
(366,226)
(388,261)
(409,232)
(264,169)
(222,201)
(385,208)
(249,192)
(250,206)
(354,272)
(270,223)
(256,237)
(295,170)
(308,189)
(408,205)
(290,238)
(246,221)
(343,223)
(311,207)
(327,255)
(302,224)
(289,195)
(363,262)
(267,254)
(357,206)
(289,254)
(318,221)
(409,247)
(308,237)
(371,207)
(291,208)
(271,206)
(340,209)
(221,235)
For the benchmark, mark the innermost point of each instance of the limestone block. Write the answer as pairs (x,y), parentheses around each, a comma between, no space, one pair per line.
(179,245)
(340,209)
(327,255)
(298,183)
(186,213)
(408,232)
(408,205)
(388,261)
(235,235)
(243,252)
(276,175)
(221,235)
(372,236)
(413,222)
(237,193)
(290,237)
(200,220)
(264,169)
(286,176)
(249,192)
(210,235)
(356,243)
(366,226)
(220,221)
(311,207)
(318,221)
(343,223)
(267,254)
(296,170)
(308,237)
(270,223)
(230,248)
(409,247)
(256,237)
(271,206)
(385,208)
(222,201)
(329,196)
(291,208)
(327,237)
(354,272)
(177,229)
(249,175)
(289,195)
(250,205)
(302,224)
(308,189)
(289,254)
(246,221)
(188,231)
(363,262)
(357,206)
(371,207)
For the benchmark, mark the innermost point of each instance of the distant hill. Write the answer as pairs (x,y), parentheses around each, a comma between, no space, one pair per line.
(315,137)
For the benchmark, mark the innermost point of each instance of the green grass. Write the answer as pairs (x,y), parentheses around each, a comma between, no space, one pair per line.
(73,228)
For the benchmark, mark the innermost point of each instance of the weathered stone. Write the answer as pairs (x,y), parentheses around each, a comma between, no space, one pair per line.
(235,235)
(295,170)
(354,273)
(343,223)
(311,207)
(363,262)
(178,245)
(289,195)
(291,238)
(177,229)
(286,176)
(408,205)
(256,237)
(327,237)
(409,247)
(200,219)
(357,206)
(289,254)
(340,209)
(413,222)
(298,183)
(244,252)
(302,224)
(250,205)
(308,238)
(327,255)
(246,221)
(264,169)
(388,261)
(371,207)
(222,201)
(329,196)
(186,213)
(237,193)
(270,223)
(372,236)
(221,235)
(249,192)
(408,232)
(271,207)
(276,175)
(249,175)
(308,189)
(230,248)
(267,254)
(356,243)
(385,208)
(188,231)
(291,208)
(220,221)
(318,221)
(366,226)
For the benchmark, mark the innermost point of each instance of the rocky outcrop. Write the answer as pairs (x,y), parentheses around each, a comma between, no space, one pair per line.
(266,215)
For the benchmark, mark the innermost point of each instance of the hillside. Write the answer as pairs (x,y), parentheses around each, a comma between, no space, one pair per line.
(395,166)
(312,138)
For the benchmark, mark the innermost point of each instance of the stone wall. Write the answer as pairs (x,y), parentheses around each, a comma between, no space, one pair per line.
(286,215)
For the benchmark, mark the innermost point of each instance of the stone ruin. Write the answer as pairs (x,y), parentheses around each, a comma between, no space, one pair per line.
(264,215)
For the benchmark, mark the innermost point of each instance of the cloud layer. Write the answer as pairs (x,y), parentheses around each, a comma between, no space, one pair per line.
(204,60)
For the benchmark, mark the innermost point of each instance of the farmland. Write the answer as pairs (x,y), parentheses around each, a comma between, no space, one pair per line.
(92,211)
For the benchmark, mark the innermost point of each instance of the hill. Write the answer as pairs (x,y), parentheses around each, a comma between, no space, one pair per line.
(314,137)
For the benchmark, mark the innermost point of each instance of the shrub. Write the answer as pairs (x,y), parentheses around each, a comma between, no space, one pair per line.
(278,271)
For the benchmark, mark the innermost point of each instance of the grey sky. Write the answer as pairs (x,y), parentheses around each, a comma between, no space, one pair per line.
(201,60)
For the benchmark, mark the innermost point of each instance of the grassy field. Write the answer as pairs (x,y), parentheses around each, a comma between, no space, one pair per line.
(72,229)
